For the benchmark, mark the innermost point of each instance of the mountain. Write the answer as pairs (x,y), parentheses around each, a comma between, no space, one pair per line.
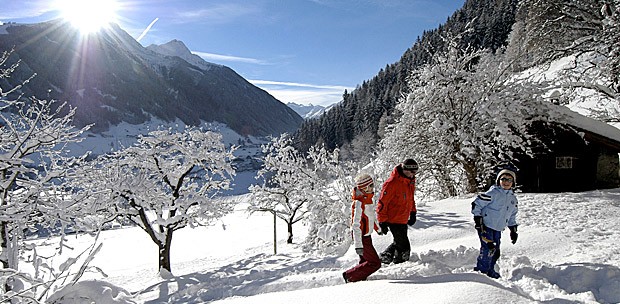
(308,111)
(179,49)
(110,78)
(364,112)
(533,32)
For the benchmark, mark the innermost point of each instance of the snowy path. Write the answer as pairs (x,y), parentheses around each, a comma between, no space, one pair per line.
(567,252)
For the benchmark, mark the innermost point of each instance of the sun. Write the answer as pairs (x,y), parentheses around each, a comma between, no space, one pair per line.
(88,15)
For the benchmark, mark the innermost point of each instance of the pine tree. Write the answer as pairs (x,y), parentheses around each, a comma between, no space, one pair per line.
(375,99)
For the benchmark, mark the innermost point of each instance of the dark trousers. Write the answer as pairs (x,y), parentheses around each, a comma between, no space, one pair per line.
(369,262)
(487,257)
(400,248)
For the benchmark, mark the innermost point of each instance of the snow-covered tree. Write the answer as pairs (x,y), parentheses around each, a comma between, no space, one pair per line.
(33,164)
(290,183)
(588,33)
(558,28)
(164,182)
(315,188)
(464,114)
(329,215)
(611,38)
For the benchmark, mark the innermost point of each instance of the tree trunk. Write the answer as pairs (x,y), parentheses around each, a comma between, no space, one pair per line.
(290,233)
(4,245)
(8,251)
(164,252)
(275,235)
(445,181)
(471,173)
(4,254)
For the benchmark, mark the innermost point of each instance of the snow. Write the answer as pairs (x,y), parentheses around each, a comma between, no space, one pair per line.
(307,111)
(567,252)
(125,134)
(584,100)
(589,124)
(178,48)
(3,28)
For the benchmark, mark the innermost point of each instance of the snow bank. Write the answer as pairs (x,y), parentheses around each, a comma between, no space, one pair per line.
(567,253)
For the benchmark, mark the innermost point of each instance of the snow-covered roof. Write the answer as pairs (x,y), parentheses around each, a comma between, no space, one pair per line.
(590,124)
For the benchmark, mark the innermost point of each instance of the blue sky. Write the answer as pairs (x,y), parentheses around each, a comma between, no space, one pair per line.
(303,51)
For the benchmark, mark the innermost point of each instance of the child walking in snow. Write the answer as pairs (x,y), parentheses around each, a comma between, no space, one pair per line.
(363,222)
(493,211)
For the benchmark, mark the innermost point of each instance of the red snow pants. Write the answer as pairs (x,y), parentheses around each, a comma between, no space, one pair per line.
(369,262)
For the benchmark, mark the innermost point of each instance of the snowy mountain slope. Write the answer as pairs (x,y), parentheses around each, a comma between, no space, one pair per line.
(566,253)
(110,78)
(123,135)
(308,111)
(179,49)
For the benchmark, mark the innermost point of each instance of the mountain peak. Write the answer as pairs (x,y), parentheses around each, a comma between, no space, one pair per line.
(307,111)
(177,48)
(118,80)
(173,47)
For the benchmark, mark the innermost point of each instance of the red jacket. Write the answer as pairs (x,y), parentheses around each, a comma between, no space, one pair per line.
(396,201)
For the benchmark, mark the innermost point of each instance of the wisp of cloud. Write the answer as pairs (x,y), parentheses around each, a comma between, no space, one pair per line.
(147,29)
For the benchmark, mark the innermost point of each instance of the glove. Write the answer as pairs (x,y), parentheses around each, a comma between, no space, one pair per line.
(513,234)
(384,228)
(491,246)
(478,224)
(412,218)
(359,251)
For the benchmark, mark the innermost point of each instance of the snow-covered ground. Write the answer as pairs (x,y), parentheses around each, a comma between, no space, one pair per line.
(568,252)
(124,134)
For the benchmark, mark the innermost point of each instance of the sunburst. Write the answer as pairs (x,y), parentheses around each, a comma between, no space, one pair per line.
(88,15)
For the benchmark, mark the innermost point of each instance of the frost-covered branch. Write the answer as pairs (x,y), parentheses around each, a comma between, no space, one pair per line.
(33,167)
(465,112)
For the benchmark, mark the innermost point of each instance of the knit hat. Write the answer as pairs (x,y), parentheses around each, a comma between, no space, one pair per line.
(509,172)
(410,164)
(363,180)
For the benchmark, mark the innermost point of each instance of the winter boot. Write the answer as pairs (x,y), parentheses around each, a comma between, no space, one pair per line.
(400,257)
(387,257)
(344,276)
(493,274)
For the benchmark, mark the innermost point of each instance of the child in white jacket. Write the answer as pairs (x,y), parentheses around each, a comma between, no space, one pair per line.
(363,222)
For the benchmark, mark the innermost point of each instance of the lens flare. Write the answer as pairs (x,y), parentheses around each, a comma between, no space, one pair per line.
(88,15)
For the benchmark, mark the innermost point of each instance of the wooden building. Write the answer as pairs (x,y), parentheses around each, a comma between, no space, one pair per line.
(583,154)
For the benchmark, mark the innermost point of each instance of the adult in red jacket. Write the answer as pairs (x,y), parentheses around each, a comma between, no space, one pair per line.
(396,209)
